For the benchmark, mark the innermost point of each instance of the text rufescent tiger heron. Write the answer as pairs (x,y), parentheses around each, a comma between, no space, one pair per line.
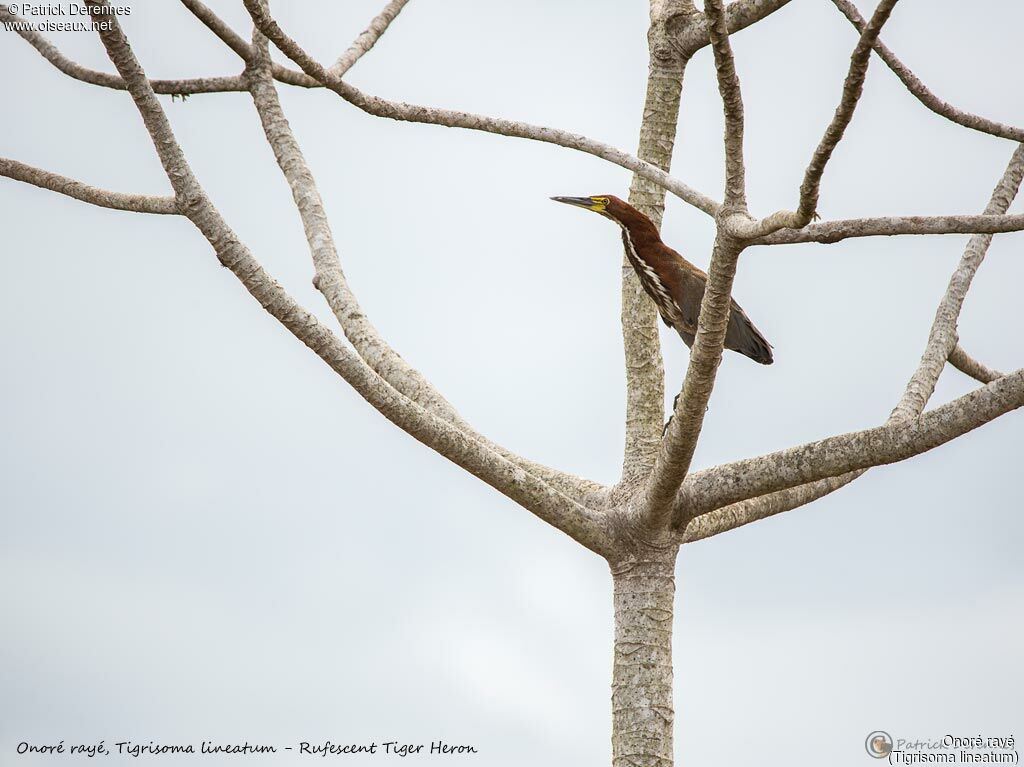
(674,284)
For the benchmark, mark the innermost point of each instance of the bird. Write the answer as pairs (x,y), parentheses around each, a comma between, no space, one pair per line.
(674,284)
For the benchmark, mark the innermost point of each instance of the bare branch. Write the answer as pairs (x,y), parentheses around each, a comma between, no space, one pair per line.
(136,203)
(754,509)
(966,364)
(942,338)
(730,483)
(581,523)
(330,278)
(732,103)
(641,344)
(914,399)
(677,447)
(238,44)
(742,225)
(368,38)
(830,232)
(853,87)
(51,53)
(739,15)
(220,28)
(921,91)
(360,46)
(395,110)
(680,440)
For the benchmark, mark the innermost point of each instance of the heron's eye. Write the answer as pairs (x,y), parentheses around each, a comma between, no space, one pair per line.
(600,200)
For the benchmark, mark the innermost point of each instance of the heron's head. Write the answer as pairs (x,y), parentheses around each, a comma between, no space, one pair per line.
(605,204)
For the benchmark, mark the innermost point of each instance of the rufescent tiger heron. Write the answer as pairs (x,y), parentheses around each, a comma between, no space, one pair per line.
(674,284)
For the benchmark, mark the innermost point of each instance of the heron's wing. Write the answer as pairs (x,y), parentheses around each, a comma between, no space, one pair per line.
(741,336)
(687,289)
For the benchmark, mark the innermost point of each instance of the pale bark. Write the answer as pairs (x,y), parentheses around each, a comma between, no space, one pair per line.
(734,515)
(374,105)
(967,365)
(642,707)
(739,15)
(136,203)
(733,482)
(682,434)
(638,524)
(73,69)
(643,716)
(743,226)
(330,279)
(680,442)
(853,87)
(943,337)
(922,93)
(645,370)
(732,105)
(911,404)
(829,232)
(394,110)
(583,524)
(368,38)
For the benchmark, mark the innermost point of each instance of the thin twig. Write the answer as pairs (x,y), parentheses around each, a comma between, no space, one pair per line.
(739,15)
(368,38)
(394,110)
(942,336)
(967,365)
(638,316)
(853,87)
(921,91)
(732,105)
(743,513)
(331,282)
(910,406)
(677,448)
(680,442)
(51,53)
(576,520)
(136,203)
(829,232)
(895,441)
(241,47)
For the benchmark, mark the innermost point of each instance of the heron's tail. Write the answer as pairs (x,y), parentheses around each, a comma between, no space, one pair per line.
(744,338)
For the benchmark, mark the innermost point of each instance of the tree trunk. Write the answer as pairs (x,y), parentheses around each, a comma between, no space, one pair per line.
(642,713)
(645,373)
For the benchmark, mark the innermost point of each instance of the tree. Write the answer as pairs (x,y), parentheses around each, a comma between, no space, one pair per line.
(639,523)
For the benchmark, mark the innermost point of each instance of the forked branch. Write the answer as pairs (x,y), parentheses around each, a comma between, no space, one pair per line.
(52,54)
(734,482)
(583,524)
(739,15)
(853,87)
(943,336)
(684,430)
(701,524)
(921,91)
(395,110)
(829,232)
(331,282)
(677,448)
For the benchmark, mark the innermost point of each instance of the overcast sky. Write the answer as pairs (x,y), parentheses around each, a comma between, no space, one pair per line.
(208,535)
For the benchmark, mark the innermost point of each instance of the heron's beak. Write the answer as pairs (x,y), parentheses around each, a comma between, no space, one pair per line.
(579,202)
